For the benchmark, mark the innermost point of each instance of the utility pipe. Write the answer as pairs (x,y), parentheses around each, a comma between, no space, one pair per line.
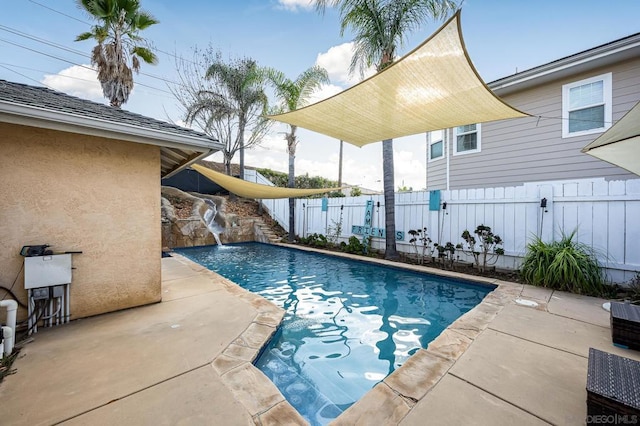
(7,344)
(12,308)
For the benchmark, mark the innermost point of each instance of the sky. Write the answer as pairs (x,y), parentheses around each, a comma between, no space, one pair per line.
(502,37)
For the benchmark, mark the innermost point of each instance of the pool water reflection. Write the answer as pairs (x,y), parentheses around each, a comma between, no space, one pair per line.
(348,324)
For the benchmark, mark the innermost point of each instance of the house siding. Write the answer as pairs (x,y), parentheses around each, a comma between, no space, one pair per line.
(75,192)
(437,174)
(532,149)
(437,170)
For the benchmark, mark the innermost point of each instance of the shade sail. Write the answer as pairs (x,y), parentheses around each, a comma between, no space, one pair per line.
(620,145)
(431,88)
(246,189)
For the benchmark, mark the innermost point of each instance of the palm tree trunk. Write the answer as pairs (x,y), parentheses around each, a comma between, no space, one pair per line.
(389,200)
(292,201)
(340,166)
(227,164)
(241,127)
(242,160)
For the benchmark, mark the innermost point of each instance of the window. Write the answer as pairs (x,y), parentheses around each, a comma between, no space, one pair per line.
(467,139)
(586,106)
(436,145)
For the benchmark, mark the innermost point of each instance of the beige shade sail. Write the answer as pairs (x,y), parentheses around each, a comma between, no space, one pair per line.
(431,88)
(246,189)
(620,145)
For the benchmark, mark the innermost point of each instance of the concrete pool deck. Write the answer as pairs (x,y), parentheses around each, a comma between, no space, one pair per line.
(187,360)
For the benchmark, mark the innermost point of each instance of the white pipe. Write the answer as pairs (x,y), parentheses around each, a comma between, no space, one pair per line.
(7,334)
(12,308)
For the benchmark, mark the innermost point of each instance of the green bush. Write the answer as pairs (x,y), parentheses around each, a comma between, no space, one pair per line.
(485,250)
(563,265)
(354,246)
(315,240)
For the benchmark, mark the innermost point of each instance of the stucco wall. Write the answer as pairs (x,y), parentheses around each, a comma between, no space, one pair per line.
(75,192)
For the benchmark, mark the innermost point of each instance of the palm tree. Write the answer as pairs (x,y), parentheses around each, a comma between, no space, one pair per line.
(119,49)
(380,28)
(294,94)
(235,103)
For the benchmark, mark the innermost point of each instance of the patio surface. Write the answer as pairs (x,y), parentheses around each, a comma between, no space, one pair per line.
(187,360)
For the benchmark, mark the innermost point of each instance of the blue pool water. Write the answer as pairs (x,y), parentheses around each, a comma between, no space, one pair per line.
(348,324)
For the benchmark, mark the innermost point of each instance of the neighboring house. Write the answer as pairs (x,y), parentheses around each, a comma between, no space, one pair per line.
(83,176)
(363,191)
(571,100)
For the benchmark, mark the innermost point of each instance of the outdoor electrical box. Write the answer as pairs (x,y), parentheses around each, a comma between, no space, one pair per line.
(47,279)
(46,271)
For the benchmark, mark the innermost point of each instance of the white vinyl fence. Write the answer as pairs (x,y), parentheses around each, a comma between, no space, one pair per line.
(606,215)
(278,209)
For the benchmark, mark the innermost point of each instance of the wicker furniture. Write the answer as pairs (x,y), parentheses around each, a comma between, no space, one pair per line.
(613,388)
(625,325)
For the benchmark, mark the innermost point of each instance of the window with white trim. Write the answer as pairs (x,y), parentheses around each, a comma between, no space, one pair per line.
(436,145)
(466,139)
(586,106)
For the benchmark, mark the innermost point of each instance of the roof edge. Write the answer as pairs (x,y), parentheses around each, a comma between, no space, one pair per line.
(57,120)
(580,58)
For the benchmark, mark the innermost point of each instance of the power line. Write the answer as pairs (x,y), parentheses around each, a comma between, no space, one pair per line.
(9,67)
(68,49)
(23,75)
(40,40)
(73,63)
(45,72)
(89,24)
(61,13)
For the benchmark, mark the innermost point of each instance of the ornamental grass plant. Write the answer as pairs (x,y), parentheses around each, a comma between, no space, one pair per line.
(564,265)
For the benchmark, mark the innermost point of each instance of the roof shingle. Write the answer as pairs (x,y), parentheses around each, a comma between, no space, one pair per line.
(47,99)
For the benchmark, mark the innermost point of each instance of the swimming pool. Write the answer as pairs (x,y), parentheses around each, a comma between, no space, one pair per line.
(348,324)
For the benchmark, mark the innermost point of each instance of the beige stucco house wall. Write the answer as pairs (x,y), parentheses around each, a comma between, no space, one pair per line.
(77,192)
(83,176)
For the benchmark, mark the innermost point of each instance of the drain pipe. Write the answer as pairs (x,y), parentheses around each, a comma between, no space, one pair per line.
(10,330)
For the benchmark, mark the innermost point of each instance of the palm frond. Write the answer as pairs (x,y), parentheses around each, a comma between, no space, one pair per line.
(144,20)
(145,54)
(84,36)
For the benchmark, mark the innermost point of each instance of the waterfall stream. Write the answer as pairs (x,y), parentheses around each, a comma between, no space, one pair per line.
(209,219)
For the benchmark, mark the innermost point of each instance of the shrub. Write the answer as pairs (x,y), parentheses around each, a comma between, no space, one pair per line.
(354,246)
(486,251)
(563,265)
(421,243)
(315,240)
(446,253)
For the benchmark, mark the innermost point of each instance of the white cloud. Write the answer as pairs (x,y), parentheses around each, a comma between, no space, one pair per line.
(182,123)
(295,5)
(409,170)
(336,61)
(273,142)
(76,81)
(326,91)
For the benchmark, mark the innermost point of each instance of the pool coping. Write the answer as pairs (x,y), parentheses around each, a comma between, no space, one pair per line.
(390,400)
